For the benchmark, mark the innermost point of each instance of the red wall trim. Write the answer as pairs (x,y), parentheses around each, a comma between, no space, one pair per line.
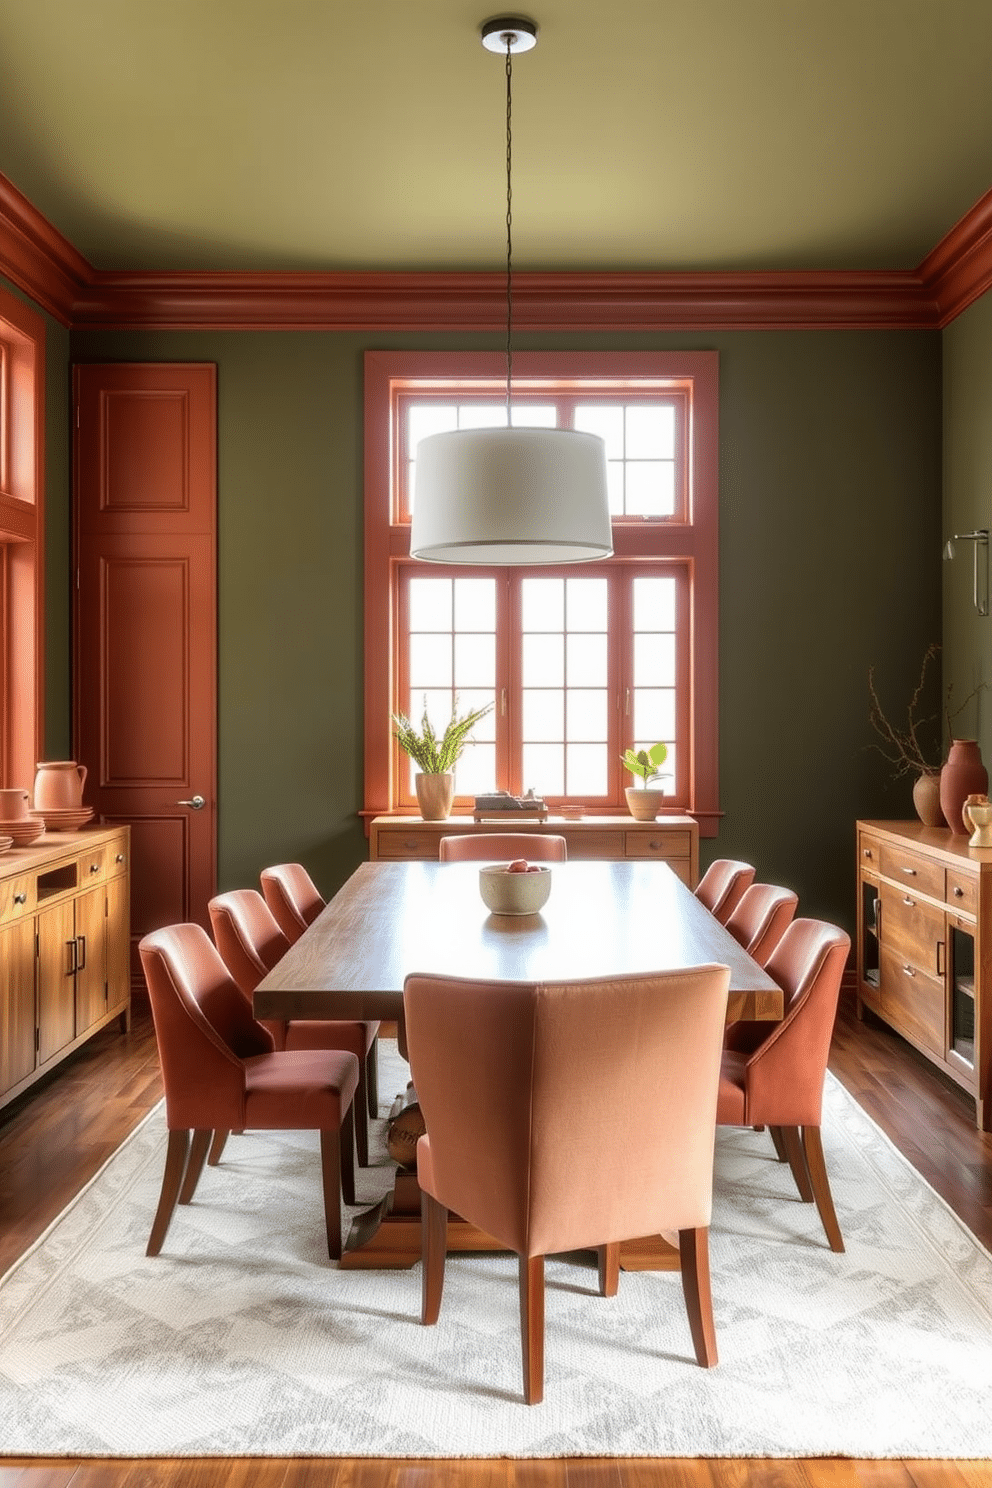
(42,263)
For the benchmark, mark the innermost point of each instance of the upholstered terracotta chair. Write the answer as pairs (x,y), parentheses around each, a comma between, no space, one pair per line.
(497,847)
(722,886)
(773,1073)
(527,1140)
(295,902)
(221,1072)
(250,943)
(760,919)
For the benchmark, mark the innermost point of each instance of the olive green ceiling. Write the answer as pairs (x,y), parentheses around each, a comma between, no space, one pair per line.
(648,134)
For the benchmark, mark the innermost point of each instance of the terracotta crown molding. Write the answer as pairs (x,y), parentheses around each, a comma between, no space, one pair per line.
(41,262)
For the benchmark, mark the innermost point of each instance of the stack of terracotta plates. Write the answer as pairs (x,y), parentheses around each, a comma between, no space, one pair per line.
(66,819)
(6,843)
(23,830)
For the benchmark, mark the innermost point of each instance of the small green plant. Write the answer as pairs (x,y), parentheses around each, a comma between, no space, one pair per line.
(645,763)
(436,755)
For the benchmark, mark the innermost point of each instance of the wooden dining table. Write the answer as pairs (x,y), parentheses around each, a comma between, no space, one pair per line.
(602,919)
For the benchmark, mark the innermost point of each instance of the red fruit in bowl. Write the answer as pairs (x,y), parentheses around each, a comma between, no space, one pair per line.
(519,865)
(533,868)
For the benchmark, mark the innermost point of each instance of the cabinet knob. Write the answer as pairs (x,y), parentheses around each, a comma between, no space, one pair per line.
(958,891)
(655,846)
(94,867)
(119,858)
(20,898)
(909,971)
(867,852)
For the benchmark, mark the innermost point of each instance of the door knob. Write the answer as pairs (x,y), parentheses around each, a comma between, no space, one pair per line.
(197,803)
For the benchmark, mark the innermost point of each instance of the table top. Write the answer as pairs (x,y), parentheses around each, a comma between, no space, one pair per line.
(601,919)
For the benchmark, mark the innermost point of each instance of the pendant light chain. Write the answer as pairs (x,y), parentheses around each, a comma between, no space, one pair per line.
(509,218)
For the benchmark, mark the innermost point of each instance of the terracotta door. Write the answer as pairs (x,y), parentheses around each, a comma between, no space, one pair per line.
(145,663)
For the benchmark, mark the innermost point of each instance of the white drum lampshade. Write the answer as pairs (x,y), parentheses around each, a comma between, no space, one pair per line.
(511,496)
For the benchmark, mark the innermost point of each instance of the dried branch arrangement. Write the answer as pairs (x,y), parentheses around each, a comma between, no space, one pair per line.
(901,746)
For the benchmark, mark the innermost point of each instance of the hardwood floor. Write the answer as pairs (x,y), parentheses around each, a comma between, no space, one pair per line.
(56,1138)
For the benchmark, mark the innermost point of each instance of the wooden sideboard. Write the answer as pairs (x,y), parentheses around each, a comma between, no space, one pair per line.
(673,839)
(924,946)
(64,949)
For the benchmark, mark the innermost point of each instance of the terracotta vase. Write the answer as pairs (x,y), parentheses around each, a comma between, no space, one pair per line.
(58,785)
(962,776)
(435,794)
(926,799)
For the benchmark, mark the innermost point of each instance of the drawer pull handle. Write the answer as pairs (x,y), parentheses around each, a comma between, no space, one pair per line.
(73,950)
(910,903)
(411,846)
(655,846)
(20,898)
(940,958)
(910,871)
(908,971)
(81,941)
(958,891)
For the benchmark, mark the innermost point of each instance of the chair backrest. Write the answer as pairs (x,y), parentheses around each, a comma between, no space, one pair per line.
(565,1115)
(760,919)
(785,1074)
(292,896)
(722,886)
(203,1027)
(247,936)
(497,847)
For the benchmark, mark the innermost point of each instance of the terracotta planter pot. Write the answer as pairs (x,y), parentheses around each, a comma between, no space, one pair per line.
(962,776)
(644,805)
(926,799)
(435,794)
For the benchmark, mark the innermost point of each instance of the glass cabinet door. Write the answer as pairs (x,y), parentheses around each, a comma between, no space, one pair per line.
(961,986)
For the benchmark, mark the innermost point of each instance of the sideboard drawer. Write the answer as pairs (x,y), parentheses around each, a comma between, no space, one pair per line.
(657,845)
(409,845)
(920,875)
(92,866)
(962,891)
(911,929)
(594,844)
(17,897)
(869,852)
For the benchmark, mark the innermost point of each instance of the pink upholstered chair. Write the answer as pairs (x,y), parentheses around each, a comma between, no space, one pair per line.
(250,943)
(760,919)
(295,902)
(221,1073)
(497,847)
(722,886)
(526,1138)
(773,1074)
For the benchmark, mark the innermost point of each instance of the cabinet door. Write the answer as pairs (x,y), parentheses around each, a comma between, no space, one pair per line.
(118,943)
(56,979)
(17,1023)
(91,958)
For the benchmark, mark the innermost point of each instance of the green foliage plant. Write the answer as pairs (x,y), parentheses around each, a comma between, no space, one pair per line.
(434,755)
(645,763)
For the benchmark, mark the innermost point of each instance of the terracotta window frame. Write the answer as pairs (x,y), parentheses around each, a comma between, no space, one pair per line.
(687,542)
(22,539)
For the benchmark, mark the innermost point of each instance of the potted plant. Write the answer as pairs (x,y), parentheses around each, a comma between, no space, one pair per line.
(436,756)
(643,802)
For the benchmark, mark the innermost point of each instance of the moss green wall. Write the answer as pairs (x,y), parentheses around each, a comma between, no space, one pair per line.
(967,420)
(830,537)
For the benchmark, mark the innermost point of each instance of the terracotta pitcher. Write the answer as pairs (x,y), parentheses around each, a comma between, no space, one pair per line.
(14,805)
(58,785)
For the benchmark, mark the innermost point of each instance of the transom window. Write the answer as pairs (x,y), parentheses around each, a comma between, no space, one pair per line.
(579,662)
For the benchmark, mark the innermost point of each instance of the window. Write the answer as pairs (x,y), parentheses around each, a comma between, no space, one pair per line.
(581,661)
(22,366)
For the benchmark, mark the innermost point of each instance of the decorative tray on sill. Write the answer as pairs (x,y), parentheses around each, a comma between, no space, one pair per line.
(501,805)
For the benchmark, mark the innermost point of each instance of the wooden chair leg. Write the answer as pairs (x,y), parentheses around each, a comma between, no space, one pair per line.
(194,1164)
(776,1136)
(609,1269)
(346,1143)
(217,1147)
(532,1326)
(797,1162)
(330,1169)
(361,1118)
(175,1163)
(813,1149)
(694,1254)
(372,1078)
(433,1250)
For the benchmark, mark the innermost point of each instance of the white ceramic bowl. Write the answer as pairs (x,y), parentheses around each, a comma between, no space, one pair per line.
(514,893)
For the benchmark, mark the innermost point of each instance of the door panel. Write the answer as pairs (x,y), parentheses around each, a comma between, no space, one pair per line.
(145,657)
(56,979)
(17,1015)
(91,959)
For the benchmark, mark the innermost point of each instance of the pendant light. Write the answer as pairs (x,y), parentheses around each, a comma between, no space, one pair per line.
(510,495)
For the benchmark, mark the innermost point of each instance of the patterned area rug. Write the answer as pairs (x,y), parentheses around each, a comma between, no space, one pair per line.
(243,1339)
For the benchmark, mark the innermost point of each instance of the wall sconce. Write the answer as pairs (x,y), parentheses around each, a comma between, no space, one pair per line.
(981,540)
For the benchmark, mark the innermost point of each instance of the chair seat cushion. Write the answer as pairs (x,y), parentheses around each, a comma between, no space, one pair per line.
(326,1033)
(300,1089)
(731,1101)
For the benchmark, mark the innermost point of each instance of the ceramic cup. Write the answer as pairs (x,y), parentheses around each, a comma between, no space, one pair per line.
(14,804)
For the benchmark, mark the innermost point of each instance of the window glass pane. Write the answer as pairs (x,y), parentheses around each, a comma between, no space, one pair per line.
(650,431)
(606,420)
(533,415)
(543,661)
(467,700)
(614,486)
(475,661)
(585,604)
(475,604)
(544,769)
(544,713)
(543,604)
(430,662)
(650,488)
(586,766)
(586,660)
(585,711)
(654,660)
(654,716)
(654,604)
(430,604)
(475,772)
(482,416)
(428,418)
